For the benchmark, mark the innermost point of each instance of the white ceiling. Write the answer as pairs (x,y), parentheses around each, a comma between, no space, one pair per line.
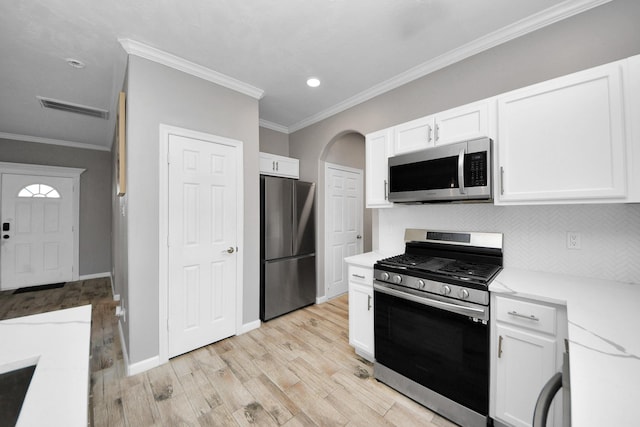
(358,48)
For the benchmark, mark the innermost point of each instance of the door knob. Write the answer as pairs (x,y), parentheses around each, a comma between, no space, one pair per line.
(358,237)
(6,236)
(230,250)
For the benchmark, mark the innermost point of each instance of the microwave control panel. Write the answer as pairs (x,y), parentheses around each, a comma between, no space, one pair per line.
(475,169)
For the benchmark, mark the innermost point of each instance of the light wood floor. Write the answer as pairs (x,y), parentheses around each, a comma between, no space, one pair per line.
(297,370)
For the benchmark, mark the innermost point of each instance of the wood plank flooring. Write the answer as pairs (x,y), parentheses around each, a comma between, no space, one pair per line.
(296,370)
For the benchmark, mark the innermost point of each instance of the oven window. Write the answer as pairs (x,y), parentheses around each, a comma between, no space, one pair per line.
(445,352)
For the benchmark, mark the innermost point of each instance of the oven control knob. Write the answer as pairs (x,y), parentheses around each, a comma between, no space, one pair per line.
(421,284)
(464,294)
(385,276)
(446,290)
(397,278)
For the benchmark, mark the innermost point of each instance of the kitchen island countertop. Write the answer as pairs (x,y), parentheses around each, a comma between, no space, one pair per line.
(604,340)
(59,343)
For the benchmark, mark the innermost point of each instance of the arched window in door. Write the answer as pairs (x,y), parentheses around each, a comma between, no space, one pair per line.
(39,190)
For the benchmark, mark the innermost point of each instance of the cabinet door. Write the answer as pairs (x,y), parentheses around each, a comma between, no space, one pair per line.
(271,164)
(525,363)
(563,140)
(414,135)
(378,150)
(361,318)
(463,123)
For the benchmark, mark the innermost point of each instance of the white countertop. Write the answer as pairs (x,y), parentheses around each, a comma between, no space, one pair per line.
(59,341)
(604,341)
(366,259)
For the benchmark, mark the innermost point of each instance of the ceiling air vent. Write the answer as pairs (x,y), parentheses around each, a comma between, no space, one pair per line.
(73,108)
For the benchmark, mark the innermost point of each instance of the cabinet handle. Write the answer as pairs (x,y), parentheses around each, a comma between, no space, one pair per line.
(437,132)
(358,276)
(500,347)
(429,130)
(368,302)
(501,180)
(273,165)
(386,197)
(277,165)
(523,316)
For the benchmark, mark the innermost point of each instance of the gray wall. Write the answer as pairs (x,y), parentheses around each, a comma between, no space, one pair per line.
(95,194)
(604,34)
(274,142)
(158,94)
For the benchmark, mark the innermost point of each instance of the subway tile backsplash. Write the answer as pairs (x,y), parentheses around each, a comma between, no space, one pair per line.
(535,237)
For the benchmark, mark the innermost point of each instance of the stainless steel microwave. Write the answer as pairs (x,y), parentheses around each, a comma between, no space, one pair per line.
(447,173)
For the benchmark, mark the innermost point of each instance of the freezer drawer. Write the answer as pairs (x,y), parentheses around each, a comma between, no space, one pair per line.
(287,285)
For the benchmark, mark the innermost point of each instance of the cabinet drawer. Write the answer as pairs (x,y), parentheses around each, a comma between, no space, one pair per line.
(361,275)
(525,314)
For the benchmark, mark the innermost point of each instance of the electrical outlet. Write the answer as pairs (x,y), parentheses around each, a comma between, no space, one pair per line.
(573,240)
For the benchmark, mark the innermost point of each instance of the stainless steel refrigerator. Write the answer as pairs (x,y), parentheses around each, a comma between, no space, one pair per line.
(288,246)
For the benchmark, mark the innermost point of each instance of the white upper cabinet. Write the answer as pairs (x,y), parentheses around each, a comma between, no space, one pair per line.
(414,135)
(457,124)
(563,140)
(272,164)
(463,123)
(378,148)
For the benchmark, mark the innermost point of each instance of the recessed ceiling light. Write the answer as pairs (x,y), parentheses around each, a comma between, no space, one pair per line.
(313,82)
(75,63)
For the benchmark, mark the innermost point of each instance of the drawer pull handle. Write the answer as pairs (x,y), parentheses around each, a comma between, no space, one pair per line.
(524,316)
(358,276)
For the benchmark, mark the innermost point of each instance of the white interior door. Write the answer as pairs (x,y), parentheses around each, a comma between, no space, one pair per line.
(37,230)
(202,276)
(343,224)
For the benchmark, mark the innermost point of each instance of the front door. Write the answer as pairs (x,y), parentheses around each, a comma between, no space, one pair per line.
(202,243)
(343,224)
(37,230)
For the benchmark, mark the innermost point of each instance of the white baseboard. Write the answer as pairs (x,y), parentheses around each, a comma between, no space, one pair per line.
(320,300)
(94,276)
(138,367)
(249,327)
(143,365)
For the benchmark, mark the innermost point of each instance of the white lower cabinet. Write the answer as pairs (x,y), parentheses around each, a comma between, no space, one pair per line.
(527,345)
(361,311)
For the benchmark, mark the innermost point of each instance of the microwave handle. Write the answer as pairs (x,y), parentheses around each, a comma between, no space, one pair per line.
(461,171)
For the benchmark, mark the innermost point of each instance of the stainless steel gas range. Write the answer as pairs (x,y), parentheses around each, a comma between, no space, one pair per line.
(431,321)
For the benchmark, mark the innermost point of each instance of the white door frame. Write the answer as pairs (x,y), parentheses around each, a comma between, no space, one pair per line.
(58,171)
(165,132)
(327,254)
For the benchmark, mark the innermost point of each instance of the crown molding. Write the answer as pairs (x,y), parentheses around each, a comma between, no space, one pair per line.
(527,25)
(133,47)
(40,140)
(273,126)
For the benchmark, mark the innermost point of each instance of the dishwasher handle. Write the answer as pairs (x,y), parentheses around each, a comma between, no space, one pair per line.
(541,410)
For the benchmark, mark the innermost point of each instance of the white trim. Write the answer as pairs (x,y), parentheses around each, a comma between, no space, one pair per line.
(249,327)
(40,140)
(57,171)
(142,366)
(133,47)
(327,215)
(273,126)
(163,232)
(138,367)
(527,25)
(94,276)
(320,300)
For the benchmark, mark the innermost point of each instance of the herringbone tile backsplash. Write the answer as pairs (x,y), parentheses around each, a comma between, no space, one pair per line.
(535,237)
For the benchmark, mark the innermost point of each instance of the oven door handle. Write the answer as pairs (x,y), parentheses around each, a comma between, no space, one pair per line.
(454,308)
